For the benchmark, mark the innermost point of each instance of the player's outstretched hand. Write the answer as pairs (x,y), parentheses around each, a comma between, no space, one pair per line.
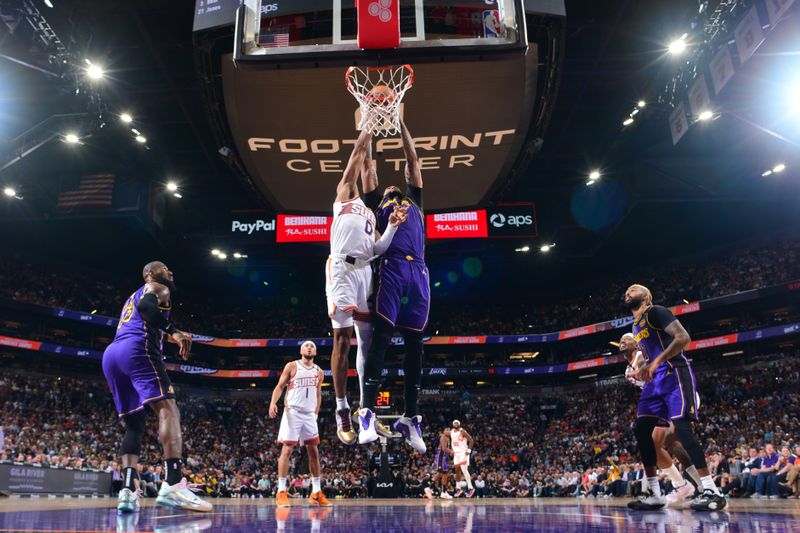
(184,341)
(273,410)
(398,216)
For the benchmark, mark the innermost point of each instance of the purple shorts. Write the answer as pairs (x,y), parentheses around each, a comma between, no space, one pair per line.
(135,378)
(670,396)
(440,462)
(404,292)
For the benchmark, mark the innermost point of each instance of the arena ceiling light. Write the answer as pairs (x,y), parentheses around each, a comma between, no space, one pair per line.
(95,72)
(678,46)
(525,248)
(71,138)
(48,3)
(766,173)
(628,121)
(594,175)
(547,247)
(215,252)
(126,118)
(640,104)
(10,192)
(177,195)
(705,115)
(141,139)
(222,255)
(237,255)
(780,167)
(172,186)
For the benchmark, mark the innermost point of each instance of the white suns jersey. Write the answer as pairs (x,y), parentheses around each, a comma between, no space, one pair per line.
(353,229)
(457,441)
(301,394)
(631,369)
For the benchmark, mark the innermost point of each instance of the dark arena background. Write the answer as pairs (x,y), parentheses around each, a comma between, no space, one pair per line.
(602,180)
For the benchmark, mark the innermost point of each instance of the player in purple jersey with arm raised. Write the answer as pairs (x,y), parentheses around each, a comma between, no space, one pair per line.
(402,299)
(668,396)
(134,367)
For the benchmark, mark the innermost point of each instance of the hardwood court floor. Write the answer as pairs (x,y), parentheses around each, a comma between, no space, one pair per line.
(417,516)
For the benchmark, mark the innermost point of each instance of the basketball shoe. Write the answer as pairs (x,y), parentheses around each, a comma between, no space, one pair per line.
(318,498)
(680,495)
(709,501)
(647,502)
(411,431)
(128,501)
(179,496)
(344,427)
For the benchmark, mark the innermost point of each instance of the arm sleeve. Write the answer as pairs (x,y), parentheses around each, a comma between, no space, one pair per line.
(415,193)
(382,244)
(148,308)
(372,199)
(660,317)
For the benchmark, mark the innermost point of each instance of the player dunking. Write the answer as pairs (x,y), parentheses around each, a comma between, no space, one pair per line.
(668,396)
(134,368)
(664,438)
(440,466)
(348,278)
(402,301)
(462,443)
(299,421)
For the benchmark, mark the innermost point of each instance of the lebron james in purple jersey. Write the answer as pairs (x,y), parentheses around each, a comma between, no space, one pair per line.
(402,298)
(668,396)
(134,368)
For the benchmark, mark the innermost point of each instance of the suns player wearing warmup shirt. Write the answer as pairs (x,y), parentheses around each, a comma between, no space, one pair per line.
(302,380)
(462,443)
(348,278)
(402,300)
(664,438)
(134,367)
(668,396)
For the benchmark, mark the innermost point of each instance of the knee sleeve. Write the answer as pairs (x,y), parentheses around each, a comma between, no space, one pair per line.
(135,428)
(643,429)
(683,430)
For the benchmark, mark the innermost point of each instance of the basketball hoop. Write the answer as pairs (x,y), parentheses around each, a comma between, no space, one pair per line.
(379,92)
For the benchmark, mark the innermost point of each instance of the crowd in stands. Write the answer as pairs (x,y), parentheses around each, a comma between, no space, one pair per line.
(751,267)
(579,443)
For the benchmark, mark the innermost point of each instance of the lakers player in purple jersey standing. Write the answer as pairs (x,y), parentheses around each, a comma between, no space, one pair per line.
(402,300)
(134,368)
(668,396)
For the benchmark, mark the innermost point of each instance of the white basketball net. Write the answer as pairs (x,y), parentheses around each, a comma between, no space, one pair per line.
(380,113)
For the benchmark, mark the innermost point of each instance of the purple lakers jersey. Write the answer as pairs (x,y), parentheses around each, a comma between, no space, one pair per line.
(133,329)
(409,240)
(653,340)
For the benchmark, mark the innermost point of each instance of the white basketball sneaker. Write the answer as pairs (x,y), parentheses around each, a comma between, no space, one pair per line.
(680,495)
(647,502)
(446,496)
(410,429)
(179,496)
(128,501)
(366,426)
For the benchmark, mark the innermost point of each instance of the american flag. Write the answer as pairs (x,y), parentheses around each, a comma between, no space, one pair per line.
(274,40)
(94,191)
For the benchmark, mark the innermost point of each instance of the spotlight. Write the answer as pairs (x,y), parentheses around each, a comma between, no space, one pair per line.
(705,115)
(95,72)
(525,248)
(766,173)
(628,121)
(547,247)
(71,138)
(48,3)
(141,139)
(8,191)
(678,46)
(594,175)
(237,255)
(126,118)
(590,182)
(172,186)
(177,195)
(222,255)
(215,252)
(635,111)
(135,131)
(640,104)
(779,167)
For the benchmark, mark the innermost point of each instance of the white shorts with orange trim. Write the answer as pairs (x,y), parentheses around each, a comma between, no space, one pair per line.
(460,458)
(347,290)
(298,427)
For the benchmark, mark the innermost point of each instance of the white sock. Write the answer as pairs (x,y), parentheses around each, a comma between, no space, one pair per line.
(316,484)
(341,403)
(655,488)
(675,476)
(694,475)
(708,484)
(363,342)
(281,484)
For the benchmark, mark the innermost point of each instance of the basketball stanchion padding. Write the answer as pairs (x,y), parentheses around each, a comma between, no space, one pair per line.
(378,24)
(379,92)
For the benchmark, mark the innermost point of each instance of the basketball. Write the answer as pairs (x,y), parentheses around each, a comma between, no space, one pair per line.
(381,92)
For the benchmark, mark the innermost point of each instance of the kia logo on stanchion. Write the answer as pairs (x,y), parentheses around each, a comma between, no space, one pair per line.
(497,220)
